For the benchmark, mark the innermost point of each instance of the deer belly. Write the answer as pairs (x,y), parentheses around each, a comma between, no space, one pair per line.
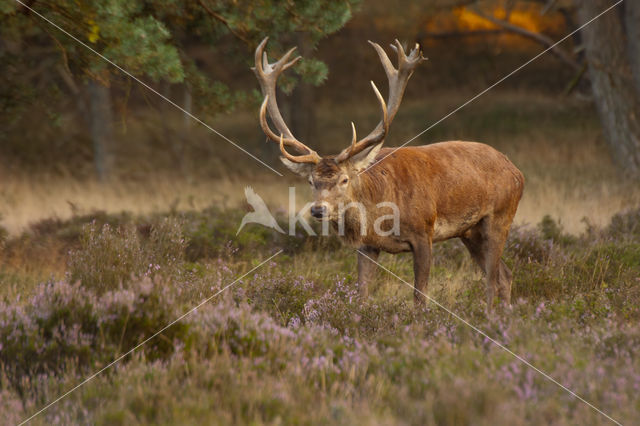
(445,228)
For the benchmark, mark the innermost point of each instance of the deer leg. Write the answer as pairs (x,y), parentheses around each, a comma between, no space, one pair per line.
(474,241)
(485,243)
(498,275)
(505,280)
(492,266)
(421,266)
(366,268)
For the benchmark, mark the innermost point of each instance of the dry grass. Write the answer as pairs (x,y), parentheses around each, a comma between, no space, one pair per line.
(575,183)
(571,198)
(24,201)
(555,142)
(575,205)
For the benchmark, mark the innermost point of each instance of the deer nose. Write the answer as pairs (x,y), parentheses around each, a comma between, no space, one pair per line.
(318,211)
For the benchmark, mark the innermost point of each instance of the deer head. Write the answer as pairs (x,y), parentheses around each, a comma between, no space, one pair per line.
(332,177)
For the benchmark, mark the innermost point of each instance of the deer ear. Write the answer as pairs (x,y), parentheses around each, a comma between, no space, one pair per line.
(301,169)
(364,159)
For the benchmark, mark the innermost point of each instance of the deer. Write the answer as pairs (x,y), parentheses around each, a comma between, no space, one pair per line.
(445,190)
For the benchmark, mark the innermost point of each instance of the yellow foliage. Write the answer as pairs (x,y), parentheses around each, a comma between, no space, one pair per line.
(522,14)
(94,31)
(526,18)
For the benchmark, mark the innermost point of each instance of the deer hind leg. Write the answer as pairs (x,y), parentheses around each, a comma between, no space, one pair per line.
(366,268)
(476,243)
(485,243)
(505,279)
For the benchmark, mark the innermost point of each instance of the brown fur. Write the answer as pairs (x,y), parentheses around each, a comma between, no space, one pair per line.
(445,190)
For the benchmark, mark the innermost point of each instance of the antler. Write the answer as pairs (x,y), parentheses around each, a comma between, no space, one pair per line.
(398,79)
(267,75)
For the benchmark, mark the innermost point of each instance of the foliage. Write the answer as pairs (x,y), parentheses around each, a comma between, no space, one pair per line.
(152,39)
(4,234)
(67,326)
(108,258)
(280,341)
(624,226)
(67,61)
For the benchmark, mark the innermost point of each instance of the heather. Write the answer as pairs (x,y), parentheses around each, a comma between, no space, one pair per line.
(292,342)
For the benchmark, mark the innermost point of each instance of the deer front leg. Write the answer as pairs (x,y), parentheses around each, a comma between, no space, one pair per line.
(421,267)
(366,268)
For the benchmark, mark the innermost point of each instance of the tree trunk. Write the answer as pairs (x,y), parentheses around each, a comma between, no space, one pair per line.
(617,102)
(101,127)
(188,106)
(632,26)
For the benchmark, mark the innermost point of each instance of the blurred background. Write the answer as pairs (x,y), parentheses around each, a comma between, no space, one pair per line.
(77,135)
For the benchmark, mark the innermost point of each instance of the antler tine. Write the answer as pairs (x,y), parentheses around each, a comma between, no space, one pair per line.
(312,157)
(294,143)
(383,107)
(262,63)
(354,137)
(356,146)
(415,55)
(384,59)
(399,49)
(267,75)
(398,79)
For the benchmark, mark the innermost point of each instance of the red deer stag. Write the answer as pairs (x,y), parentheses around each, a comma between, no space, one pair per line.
(443,190)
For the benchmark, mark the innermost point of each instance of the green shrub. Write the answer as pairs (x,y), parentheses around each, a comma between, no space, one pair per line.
(534,280)
(4,235)
(210,231)
(552,230)
(527,245)
(283,296)
(603,264)
(73,229)
(166,246)
(67,326)
(109,257)
(624,226)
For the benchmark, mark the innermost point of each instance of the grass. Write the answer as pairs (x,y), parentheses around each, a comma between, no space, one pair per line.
(294,334)
(89,270)
(569,173)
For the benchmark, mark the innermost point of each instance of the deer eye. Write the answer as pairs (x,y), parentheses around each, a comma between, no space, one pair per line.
(344,181)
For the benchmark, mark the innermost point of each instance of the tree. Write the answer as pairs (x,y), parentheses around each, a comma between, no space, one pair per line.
(610,71)
(611,55)
(632,27)
(151,39)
